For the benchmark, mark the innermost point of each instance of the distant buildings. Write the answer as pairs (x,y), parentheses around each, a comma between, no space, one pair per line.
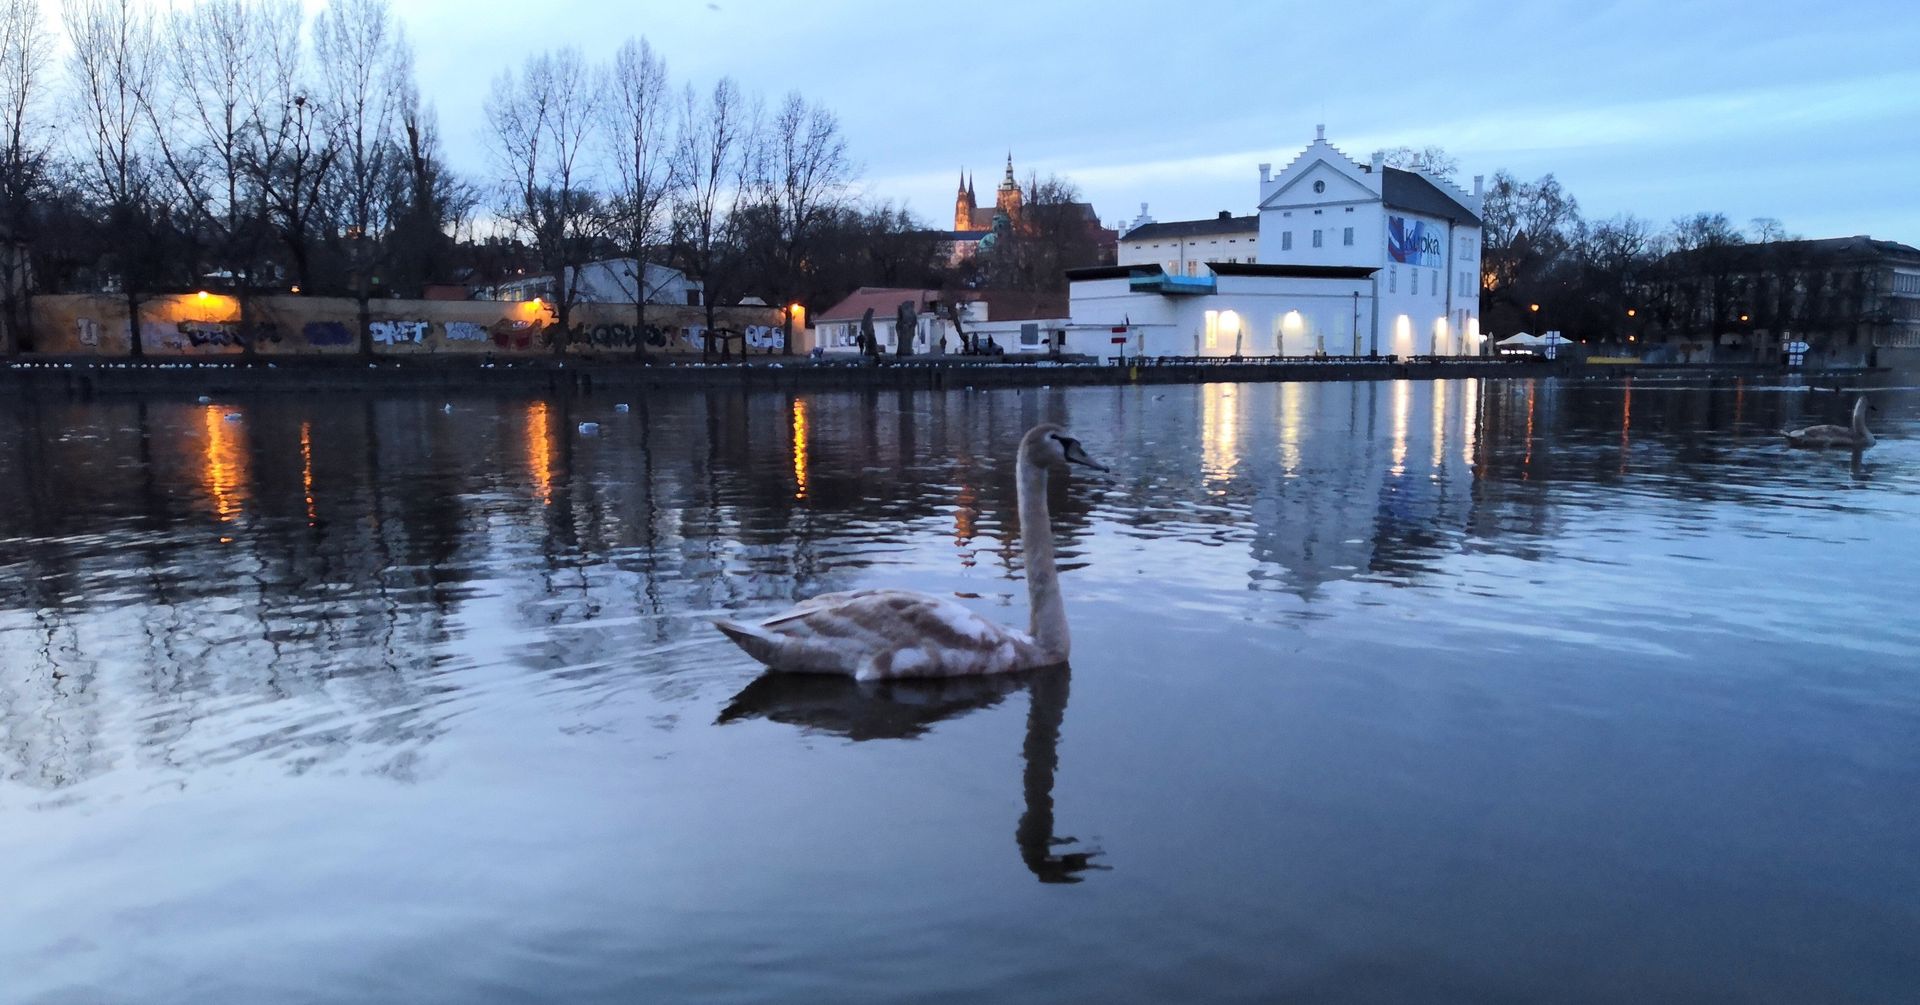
(1016,321)
(1420,234)
(1849,299)
(1342,258)
(977,228)
(1182,247)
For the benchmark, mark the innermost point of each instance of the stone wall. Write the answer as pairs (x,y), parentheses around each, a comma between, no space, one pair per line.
(208,324)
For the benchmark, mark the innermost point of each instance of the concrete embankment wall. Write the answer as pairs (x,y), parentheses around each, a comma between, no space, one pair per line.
(209,325)
(452,376)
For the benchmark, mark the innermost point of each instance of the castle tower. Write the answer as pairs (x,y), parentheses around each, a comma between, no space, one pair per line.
(1007,198)
(963,205)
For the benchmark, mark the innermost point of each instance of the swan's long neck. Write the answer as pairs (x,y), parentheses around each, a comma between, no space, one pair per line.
(1049,625)
(1860,419)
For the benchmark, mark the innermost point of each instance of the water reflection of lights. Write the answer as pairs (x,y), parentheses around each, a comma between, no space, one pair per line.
(1439,426)
(306,470)
(1626,424)
(1470,420)
(1526,463)
(799,448)
(1221,429)
(224,470)
(1290,427)
(1402,406)
(540,452)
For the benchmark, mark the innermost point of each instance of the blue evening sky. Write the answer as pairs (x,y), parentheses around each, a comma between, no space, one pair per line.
(1809,112)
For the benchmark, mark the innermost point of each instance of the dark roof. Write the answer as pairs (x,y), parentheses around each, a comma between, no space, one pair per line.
(1192,228)
(958,235)
(1409,191)
(1293,271)
(1229,269)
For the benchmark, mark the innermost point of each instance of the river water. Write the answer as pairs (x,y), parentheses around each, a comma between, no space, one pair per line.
(1467,690)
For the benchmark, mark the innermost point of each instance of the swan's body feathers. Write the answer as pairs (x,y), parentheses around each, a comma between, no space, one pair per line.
(1825,436)
(879,634)
(1854,437)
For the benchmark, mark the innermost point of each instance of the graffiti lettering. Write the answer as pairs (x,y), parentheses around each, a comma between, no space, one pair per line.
(88,331)
(765,337)
(392,332)
(326,333)
(466,331)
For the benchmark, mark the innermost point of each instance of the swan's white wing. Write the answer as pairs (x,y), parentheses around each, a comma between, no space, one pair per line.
(873,634)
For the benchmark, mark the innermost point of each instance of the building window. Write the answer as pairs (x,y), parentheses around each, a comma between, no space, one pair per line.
(1193,268)
(1349,209)
(1286,240)
(1413,279)
(1250,260)
(1316,239)
(1347,237)
(1317,212)
(1393,279)
(1173,266)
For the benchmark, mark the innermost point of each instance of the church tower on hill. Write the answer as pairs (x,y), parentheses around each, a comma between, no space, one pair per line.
(1007,199)
(970,216)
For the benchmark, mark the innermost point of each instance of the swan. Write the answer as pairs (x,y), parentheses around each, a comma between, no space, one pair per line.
(879,634)
(1854,437)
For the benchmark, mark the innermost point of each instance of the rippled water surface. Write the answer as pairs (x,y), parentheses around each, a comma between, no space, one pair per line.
(1388,691)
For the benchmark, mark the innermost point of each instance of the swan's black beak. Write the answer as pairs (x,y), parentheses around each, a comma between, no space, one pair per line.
(1076,455)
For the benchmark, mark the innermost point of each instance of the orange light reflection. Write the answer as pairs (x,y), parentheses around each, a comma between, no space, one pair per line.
(224,469)
(540,452)
(799,448)
(306,470)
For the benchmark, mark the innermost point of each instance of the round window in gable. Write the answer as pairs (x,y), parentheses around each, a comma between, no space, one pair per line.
(1319,187)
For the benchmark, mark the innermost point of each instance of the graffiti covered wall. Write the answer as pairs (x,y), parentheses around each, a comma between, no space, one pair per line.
(208,324)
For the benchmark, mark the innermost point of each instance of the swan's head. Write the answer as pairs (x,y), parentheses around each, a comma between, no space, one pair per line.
(1861,407)
(1050,446)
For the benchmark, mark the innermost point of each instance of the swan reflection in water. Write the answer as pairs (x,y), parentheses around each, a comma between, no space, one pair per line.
(904,709)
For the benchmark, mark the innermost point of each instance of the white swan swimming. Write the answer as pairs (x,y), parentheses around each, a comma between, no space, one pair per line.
(1853,437)
(877,634)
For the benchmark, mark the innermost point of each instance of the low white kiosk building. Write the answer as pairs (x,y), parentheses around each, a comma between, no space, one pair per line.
(1231,309)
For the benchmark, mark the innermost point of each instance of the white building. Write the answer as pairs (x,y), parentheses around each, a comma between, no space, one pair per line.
(611,281)
(1420,233)
(1233,309)
(1182,247)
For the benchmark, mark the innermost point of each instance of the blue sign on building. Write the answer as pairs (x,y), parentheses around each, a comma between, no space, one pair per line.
(1413,242)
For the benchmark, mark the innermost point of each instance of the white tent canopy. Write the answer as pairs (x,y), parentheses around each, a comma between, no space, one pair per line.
(1522,339)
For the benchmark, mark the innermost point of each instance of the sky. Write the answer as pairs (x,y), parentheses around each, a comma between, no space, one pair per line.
(1809,113)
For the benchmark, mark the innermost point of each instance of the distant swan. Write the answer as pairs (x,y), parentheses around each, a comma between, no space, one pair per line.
(877,634)
(1854,437)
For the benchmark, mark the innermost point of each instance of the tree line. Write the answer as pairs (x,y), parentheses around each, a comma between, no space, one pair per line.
(1547,267)
(245,145)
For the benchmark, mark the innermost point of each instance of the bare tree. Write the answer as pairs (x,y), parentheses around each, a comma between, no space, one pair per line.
(24,152)
(366,86)
(203,111)
(808,177)
(636,114)
(427,200)
(717,160)
(541,120)
(1434,160)
(113,65)
(288,156)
